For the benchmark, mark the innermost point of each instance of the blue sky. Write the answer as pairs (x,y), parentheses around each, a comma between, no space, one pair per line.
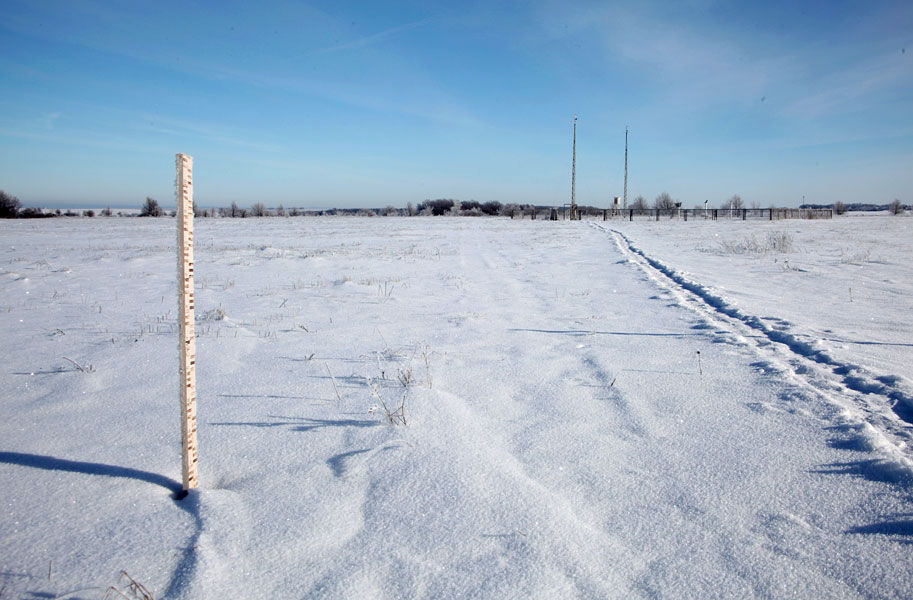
(374,103)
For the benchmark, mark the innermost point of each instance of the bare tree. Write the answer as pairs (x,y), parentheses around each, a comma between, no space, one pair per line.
(511,210)
(492,207)
(410,210)
(896,207)
(150,208)
(735,202)
(258,209)
(9,206)
(234,211)
(664,202)
(639,203)
(280,211)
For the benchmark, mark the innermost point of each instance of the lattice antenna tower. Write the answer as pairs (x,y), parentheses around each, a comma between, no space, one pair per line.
(625,202)
(574,171)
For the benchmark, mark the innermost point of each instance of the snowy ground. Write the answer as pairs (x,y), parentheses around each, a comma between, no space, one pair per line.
(564,437)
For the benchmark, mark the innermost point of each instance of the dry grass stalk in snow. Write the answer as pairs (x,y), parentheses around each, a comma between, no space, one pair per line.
(396,416)
(425,355)
(135,589)
(85,369)
(333,379)
(405,376)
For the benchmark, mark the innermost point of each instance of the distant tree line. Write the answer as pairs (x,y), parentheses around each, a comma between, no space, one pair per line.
(11,208)
(895,208)
(437,207)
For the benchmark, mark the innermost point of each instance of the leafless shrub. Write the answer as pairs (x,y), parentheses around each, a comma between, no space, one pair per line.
(664,202)
(639,203)
(151,208)
(779,241)
(215,314)
(855,258)
(776,241)
(9,206)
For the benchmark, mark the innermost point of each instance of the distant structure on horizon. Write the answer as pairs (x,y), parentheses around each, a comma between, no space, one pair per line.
(625,195)
(574,214)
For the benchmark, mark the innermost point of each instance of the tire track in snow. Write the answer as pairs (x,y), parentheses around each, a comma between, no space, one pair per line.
(881,409)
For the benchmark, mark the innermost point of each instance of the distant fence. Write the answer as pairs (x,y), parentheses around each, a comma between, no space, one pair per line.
(715,214)
(691,214)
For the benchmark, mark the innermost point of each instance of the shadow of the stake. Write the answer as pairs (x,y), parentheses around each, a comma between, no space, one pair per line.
(190,503)
(299,423)
(51,463)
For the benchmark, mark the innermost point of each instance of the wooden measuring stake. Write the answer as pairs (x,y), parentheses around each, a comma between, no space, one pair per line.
(188,353)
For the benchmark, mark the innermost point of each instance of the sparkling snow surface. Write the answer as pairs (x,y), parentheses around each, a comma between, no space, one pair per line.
(594,409)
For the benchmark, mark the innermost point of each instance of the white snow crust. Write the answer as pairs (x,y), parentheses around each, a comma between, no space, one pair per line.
(594,409)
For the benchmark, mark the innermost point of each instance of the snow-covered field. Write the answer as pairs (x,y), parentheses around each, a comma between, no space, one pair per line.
(593,410)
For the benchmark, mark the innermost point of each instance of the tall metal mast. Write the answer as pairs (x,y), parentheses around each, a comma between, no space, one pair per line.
(574,173)
(626,169)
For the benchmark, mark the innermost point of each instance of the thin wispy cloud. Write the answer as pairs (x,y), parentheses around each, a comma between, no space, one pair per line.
(370,40)
(770,88)
(693,65)
(411,91)
(683,62)
(416,100)
(83,138)
(206,131)
(846,88)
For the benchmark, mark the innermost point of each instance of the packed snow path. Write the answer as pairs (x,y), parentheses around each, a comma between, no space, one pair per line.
(577,426)
(884,401)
